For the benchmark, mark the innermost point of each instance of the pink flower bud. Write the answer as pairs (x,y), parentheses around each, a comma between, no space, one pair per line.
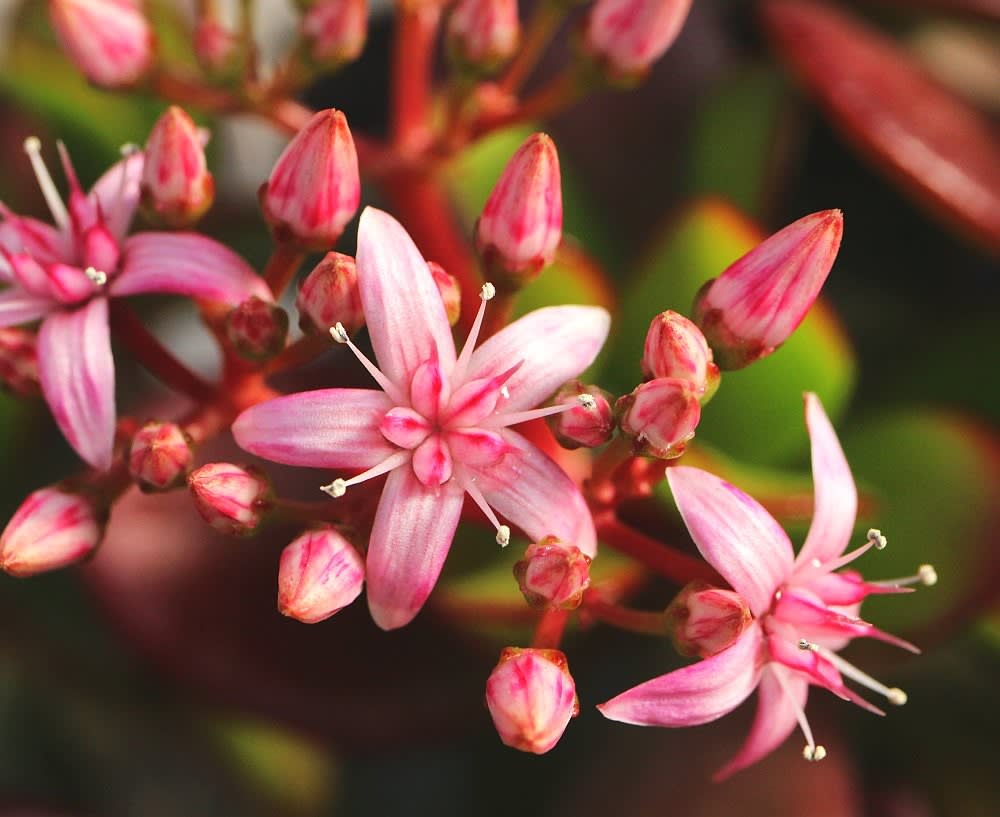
(705,620)
(51,529)
(451,292)
(109,40)
(521,225)
(660,416)
(320,573)
(19,362)
(257,329)
(160,457)
(335,30)
(176,186)
(329,295)
(314,189)
(675,347)
(627,36)
(216,47)
(553,575)
(583,426)
(752,308)
(483,33)
(531,697)
(232,499)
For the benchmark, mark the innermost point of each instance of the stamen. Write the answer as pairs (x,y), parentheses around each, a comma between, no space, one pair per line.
(814,753)
(875,540)
(894,695)
(339,334)
(925,575)
(128,150)
(68,169)
(587,401)
(502,420)
(339,487)
(503,532)
(487,293)
(811,751)
(97,277)
(33,147)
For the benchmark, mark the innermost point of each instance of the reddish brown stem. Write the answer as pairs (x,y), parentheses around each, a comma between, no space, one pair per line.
(624,618)
(281,267)
(550,629)
(540,29)
(412,61)
(667,561)
(303,351)
(190,91)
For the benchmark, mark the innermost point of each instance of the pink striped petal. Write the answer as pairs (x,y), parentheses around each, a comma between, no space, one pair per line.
(698,693)
(77,374)
(186,264)
(535,494)
(329,428)
(775,719)
(403,307)
(18,306)
(413,529)
(734,533)
(556,344)
(836,498)
(40,240)
(118,193)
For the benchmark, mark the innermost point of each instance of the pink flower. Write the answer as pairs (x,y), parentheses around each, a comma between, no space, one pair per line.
(804,611)
(319,574)
(439,425)
(66,274)
(630,35)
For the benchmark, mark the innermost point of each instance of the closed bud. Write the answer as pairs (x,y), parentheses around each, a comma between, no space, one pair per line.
(314,188)
(231,498)
(329,295)
(589,423)
(660,416)
(257,329)
(217,47)
(553,575)
(752,308)
(110,41)
(52,528)
(19,362)
(521,226)
(483,34)
(176,186)
(675,347)
(160,457)
(320,573)
(627,36)
(531,697)
(335,30)
(705,620)
(451,292)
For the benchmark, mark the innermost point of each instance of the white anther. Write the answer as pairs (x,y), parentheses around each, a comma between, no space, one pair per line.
(505,393)
(503,536)
(488,292)
(338,333)
(927,575)
(807,645)
(587,401)
(336,489)
(32,145)
(876,538)
(128,149)
(896,696)
(814,753)
(96,276)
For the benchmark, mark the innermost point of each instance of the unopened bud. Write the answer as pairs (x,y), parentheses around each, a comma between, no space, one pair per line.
(521,226)
(660,416)
(231,498)
(531,697)
(451,292)
(160,457)
(19,362)
(483,34)
(52,528)
(553,575)
(314,188)
(110,41)
(257,329)
(589,423)
(176,186)
(335,30)
(329,295)
(752,308)
(705,620)
(216,46)
(675,347)
(320,573)
(627,36)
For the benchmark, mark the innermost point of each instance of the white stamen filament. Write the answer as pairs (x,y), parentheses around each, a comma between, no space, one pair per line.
(512,418)
(893,695)
(128,150)
(925,575)
(875,540)
(503,532)
(96,276)
(33,147)
(339,487)
(811,750)
(487,293)
(339,334)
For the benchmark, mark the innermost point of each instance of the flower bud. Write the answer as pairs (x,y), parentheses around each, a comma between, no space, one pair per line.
(19,362)
(160,457)
(257,329)
(521,225)
(216,47)
(752,308)
(627,36)
(531,697)
(660,416)
(675,347)
(110,41)
(232,499)
(176,186)
(329,295)
(314,189)
(705,620)
(483,34)
(320,573)
(583,426)
(553,575)
(335,30)
(52,528)
(451,292)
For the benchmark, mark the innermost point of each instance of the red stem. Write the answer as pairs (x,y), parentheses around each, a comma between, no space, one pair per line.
(543,24)
(281,267)
(550,629)
(636,621)
(412,61)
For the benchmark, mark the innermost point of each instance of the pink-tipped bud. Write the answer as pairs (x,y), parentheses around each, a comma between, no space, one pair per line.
(216,47)
(109,40)
(257,329)
(588,424)
(329,295)
(232,499)
(335,30)
(19,362)
(52,528)
(314,189)
(521,225)
(531,697)
(553,575)
(160,457)
(705,620)
(675,347)
(451,292)
(176,186)
(483,34)
(627,36)
(320,573)
(752,308)
(660,416)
